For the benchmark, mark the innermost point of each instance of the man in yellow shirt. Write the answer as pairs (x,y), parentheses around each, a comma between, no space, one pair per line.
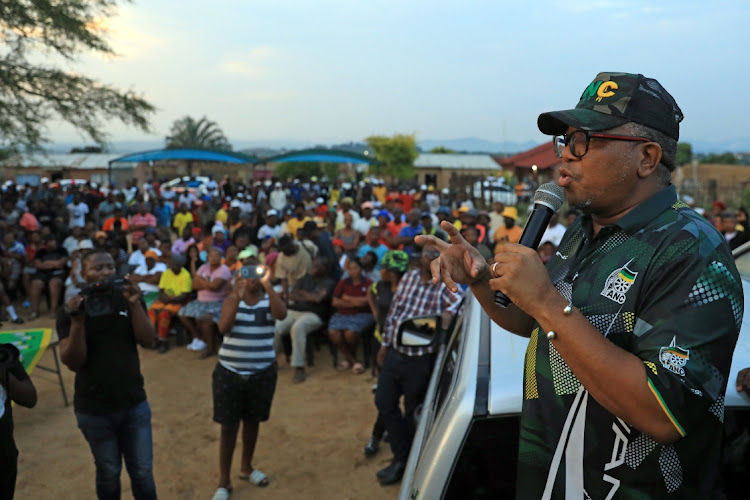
(379,190)
(221,215)
(182,218)
(296,222)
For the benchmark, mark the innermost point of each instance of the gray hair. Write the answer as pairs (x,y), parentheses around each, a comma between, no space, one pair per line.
(668,149)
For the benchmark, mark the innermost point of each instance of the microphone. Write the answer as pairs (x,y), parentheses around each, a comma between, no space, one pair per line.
(547,200)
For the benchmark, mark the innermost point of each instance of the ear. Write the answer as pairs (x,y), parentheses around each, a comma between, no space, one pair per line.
(649,159)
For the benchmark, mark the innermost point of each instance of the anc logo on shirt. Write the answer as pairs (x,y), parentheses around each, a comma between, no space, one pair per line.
(674,358)
(618,283)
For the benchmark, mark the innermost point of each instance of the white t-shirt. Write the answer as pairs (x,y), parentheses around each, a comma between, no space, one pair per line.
(168,194)
(142,270)
(77,214)
(554,234)
(363,225)
(137,259)
(187,198)
(212,187)
(265,231)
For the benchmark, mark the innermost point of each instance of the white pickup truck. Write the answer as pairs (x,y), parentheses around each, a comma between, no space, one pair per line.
(468,428)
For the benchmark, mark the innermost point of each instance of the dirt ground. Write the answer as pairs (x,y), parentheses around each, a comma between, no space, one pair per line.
(311,448)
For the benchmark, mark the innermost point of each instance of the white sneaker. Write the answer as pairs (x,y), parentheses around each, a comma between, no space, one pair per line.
(199,345)
(191,345)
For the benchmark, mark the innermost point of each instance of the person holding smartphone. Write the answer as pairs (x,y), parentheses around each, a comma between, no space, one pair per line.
(16,386)
(244,380)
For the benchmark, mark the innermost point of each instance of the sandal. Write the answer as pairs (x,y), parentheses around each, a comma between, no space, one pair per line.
(358,368)
(222,494)
(256,477)
(344,366)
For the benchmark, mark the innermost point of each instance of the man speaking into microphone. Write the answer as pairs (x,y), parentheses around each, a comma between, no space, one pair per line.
(632,324)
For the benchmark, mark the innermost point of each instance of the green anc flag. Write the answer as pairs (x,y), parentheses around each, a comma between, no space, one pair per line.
(31,344)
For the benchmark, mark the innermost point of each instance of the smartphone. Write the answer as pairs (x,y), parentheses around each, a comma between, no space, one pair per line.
(255,272)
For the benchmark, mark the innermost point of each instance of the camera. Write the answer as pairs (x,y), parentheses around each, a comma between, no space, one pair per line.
(9,354)
(98,296)
(255,272)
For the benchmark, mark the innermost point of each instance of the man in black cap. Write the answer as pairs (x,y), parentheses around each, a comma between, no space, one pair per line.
(633,323)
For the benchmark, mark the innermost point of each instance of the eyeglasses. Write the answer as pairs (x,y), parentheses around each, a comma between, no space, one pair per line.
(578,141)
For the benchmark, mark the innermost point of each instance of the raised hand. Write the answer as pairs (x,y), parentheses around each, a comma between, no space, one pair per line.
(459,262)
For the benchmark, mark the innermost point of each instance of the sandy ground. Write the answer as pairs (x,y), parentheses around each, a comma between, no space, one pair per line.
(310,448)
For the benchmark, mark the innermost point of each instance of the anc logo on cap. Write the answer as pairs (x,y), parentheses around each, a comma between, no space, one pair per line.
(600,90)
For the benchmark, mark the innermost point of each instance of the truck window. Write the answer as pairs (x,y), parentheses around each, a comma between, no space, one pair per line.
(486,465)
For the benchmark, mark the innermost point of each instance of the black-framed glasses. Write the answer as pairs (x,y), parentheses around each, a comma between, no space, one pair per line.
(578,141)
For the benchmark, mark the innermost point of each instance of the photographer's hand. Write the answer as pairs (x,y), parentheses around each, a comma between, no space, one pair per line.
(143,329)
(130,290)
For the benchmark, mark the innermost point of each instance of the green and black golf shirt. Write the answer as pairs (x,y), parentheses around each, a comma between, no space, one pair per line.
(660,283)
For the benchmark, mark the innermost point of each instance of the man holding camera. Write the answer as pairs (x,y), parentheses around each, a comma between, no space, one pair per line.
(16,386)
(98,331)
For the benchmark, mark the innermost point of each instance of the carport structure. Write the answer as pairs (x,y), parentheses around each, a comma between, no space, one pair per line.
(188,155)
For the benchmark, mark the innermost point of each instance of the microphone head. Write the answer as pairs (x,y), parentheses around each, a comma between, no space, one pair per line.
(550,195)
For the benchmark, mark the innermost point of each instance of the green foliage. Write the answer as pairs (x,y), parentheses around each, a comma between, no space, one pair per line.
(442,150)
(684,154)
(31,93)
(202,134)
(306,169)
(295,169)
(396,155)
(331,171)
(721,159)
(746,198)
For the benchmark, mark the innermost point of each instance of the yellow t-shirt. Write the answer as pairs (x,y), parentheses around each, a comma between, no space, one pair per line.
(505,235)
(221,216)
(379,192)
(293,225)
(175,285)
(181,220)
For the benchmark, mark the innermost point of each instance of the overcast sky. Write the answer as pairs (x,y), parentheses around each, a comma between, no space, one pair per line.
(329,71)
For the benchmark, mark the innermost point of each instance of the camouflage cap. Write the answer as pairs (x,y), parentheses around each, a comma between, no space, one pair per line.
(614,99)
(395,260)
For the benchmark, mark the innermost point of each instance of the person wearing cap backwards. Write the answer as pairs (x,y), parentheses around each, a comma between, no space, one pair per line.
(633,322)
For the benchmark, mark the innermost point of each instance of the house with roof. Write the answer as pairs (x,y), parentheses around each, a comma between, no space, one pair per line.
(536,164)
(94,167)
(450,170)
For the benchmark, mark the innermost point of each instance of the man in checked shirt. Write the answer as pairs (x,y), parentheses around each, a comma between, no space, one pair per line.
(406,370)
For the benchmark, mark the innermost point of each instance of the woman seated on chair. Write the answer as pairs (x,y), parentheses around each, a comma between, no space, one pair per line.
(51,263)
(175,289)
(201,316)
(353,316)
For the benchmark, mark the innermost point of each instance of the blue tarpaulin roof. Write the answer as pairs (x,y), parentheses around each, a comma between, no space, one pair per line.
(187,154)
(321,155)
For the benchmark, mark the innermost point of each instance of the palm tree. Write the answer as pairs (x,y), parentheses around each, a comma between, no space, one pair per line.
(202,134)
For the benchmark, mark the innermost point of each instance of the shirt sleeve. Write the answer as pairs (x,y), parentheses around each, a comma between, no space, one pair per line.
(685,332)
(339,290)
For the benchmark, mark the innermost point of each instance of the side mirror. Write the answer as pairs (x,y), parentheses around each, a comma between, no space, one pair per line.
(419,331)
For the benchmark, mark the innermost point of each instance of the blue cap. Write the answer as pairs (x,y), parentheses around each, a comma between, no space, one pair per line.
(426,214)
(384,213)
(444,210)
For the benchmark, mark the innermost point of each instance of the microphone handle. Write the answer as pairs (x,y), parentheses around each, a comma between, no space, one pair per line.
(530,237)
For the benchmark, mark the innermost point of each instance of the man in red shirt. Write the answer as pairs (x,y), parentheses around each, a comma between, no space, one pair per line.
(141,221)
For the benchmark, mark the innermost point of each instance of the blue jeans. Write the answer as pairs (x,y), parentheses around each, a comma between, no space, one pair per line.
(123,434)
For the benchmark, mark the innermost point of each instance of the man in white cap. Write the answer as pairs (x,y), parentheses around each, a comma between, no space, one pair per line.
(277,199)
(367,220)
(271,228)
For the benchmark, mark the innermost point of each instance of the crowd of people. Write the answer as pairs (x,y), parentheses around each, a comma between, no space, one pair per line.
(240,269)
